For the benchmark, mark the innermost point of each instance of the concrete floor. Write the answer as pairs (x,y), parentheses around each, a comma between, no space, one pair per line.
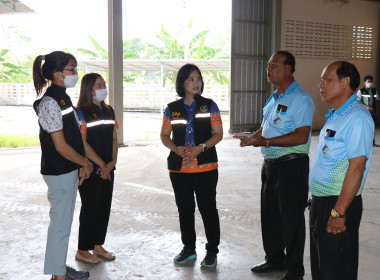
(144,230)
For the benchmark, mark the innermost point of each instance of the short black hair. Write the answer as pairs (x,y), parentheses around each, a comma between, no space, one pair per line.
(368,77)
(347,69)
(183,73)
(289,59)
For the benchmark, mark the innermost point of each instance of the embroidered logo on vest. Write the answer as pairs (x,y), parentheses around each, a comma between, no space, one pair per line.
(63,103)
(203,108)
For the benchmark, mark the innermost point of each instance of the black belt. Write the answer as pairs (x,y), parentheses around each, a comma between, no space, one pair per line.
(285,158)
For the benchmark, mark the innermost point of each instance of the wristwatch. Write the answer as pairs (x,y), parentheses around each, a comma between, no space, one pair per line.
(204,146)
(267,144)
(336,214)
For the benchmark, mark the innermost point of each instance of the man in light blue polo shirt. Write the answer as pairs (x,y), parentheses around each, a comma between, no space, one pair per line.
(284,138)
(337,175)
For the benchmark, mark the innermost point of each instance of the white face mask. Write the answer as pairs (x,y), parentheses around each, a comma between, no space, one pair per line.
(368,85)
(70,80)
(101,94)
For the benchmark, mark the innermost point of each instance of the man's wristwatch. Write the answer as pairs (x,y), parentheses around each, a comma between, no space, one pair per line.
(204,146)
(267,144)
(336,214)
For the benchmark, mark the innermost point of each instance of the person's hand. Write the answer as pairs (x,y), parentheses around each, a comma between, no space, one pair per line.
(336,225)
(244,140)
(85,172)
(192,153)
(370,109)
(106,170)
(181,151)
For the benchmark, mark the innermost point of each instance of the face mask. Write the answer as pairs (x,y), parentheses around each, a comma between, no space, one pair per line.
(101,94)
(70,80)
(369,85)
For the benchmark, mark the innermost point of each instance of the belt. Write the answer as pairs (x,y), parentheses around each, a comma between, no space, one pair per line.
(285,158)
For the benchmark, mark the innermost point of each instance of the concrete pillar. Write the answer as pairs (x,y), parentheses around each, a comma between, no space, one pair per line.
(115,62)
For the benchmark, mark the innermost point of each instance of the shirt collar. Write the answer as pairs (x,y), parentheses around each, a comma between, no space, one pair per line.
(57,87)
(342,108)
(289,90)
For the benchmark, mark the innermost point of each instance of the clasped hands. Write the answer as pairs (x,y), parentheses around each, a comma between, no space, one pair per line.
(105,171)
(189,154)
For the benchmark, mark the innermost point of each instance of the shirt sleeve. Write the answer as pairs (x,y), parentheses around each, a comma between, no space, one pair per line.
(166,124)
(49,115)
(216,119)
(83,127)
(359,138)
(303,115)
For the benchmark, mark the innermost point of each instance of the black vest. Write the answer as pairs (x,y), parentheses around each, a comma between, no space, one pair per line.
(369,97)
(100,130)
(52,163)
(201,126)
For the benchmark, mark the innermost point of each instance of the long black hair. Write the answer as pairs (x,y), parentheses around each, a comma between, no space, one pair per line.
(54,62)
(85,96)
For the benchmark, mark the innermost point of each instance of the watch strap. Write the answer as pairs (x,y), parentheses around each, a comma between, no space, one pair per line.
(336,214)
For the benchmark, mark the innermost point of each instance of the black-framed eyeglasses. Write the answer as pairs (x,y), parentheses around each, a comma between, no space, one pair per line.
(75,70)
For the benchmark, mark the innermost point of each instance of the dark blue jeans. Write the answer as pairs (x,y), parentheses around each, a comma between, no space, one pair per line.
(203,184)
(334,256)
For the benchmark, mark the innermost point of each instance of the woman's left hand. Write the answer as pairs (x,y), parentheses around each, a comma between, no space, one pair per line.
(106,170)
(192,153)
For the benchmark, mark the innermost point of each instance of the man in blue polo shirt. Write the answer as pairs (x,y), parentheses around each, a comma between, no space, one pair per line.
(285,140)
(337,175)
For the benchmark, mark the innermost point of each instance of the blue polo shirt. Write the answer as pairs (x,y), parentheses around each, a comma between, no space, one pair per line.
(282,115)
(348,133)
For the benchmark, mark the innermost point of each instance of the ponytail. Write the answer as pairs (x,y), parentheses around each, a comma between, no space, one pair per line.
(54,62)
(38,79)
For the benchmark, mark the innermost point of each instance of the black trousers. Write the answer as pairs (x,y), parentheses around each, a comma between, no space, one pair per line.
(203,184)
(334,257)
(96,196)
(283,199)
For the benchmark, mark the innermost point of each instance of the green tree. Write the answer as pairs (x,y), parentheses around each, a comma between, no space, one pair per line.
(172,49)
(10,72)
(131,50)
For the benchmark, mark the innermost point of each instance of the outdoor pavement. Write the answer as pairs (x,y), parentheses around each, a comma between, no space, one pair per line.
(144,230)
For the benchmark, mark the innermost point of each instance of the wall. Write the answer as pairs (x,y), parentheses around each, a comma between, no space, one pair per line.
(309,69)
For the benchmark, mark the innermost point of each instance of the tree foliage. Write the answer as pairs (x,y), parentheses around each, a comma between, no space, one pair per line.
(10,72)
(168,47)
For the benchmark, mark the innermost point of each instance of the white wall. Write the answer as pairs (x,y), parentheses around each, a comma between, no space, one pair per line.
(308,70)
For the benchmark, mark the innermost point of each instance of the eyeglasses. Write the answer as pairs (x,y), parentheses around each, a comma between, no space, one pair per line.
(75,70)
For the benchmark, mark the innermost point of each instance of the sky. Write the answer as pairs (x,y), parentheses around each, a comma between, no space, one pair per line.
(69,23)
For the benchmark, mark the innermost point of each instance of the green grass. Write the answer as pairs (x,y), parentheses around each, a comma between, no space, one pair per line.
(8,140)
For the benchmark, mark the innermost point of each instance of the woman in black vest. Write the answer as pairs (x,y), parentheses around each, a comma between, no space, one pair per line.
(100,142)
(197,127)
(62,155)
